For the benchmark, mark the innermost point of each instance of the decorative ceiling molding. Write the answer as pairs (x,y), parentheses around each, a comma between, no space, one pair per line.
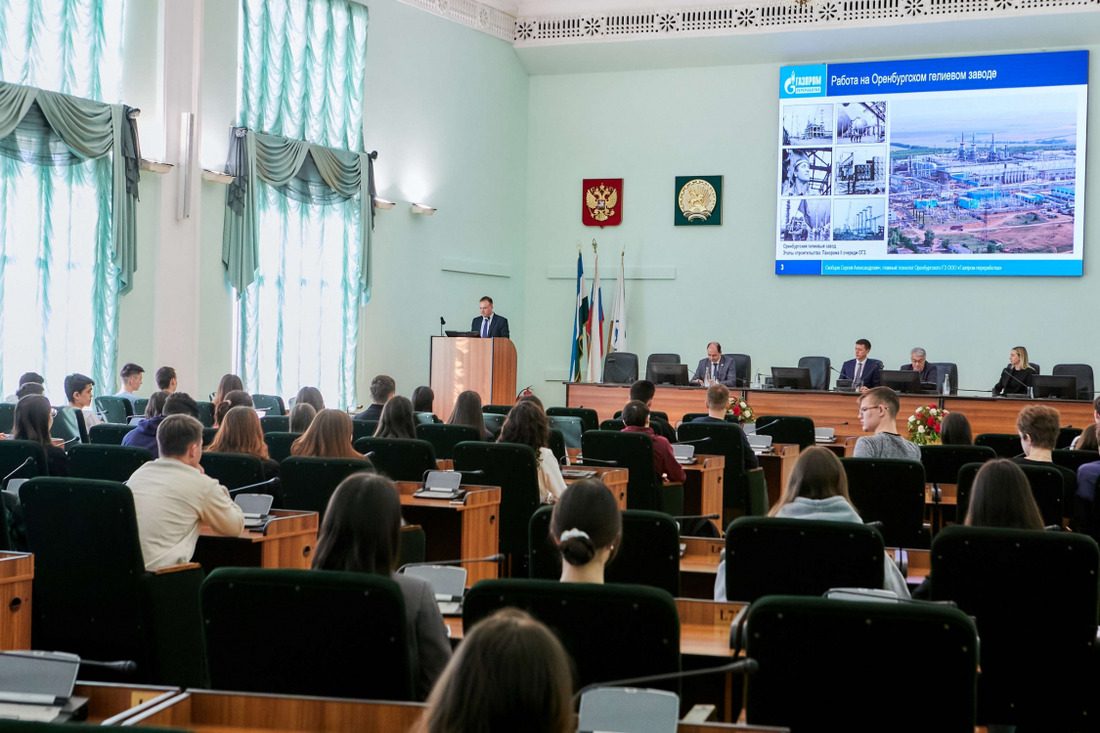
(472,14)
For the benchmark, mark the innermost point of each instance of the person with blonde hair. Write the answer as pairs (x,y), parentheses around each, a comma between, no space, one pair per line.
(1016,377)
(241,432)
(328,436)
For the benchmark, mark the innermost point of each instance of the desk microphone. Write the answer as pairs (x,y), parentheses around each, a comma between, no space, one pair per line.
(28,460)
(491,558)
(837,424)
(766,425)
(1008,370)
(442,323)
(747,665)
(125,666)
(697,516)
(582,460)
(255,488)
(696,440)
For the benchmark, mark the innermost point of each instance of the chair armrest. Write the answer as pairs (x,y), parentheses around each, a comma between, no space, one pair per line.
(177,568)
(736,634)
(756,490)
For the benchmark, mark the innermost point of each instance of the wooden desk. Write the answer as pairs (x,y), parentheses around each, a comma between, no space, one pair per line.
(616,479)
(998,414)
(110,702)
(16,581)
(703,487)
(918,562)
(842,445)
(699,565)
(777,467)
(827,409)
(607,399)
(287,541)
(463,529)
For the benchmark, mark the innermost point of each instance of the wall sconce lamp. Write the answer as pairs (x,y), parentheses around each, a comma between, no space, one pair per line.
(383,204)
(423,209)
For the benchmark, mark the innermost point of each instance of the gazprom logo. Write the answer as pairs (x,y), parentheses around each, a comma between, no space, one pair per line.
(802,81)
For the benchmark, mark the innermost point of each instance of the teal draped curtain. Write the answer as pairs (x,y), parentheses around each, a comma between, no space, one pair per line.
(68,182)
(296,243)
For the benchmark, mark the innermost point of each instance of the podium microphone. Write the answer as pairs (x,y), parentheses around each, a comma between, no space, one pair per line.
(1008,371)
(26,462)
(256,488)
(491,558)
(442,323)
(747,665)
(689,442)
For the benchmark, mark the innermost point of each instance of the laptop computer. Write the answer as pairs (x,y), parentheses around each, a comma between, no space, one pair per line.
(760,443)
(684,453)
(38,686)
(448,583)
(824,435)
(256,508)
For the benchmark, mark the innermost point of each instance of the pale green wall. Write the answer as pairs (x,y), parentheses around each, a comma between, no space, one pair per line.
(650,126)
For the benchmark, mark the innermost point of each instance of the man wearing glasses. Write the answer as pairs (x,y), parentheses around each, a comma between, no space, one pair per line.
(878,413)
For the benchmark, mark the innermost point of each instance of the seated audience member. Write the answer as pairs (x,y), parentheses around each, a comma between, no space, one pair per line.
(510,673)
(166,379)
(1000,497)
(533,398)
(310,396)
(180,403)
(718,400)
(382,388)
(241,433)
(918,362)
(30,388)
(423,399)
(145,434)
(229,383)
(132,376)
(955,430)
(328,436)
(397,419)
(644,390)
(1016,377)
(33,420)
(24,379)
(1038,426)
(878,414)
(1086,440)
(587,524)
(235,398)
(818,490)
(78,390)
(301,415)
(527,424)
(467,411)
(172,497)
(636,419)
(361,534)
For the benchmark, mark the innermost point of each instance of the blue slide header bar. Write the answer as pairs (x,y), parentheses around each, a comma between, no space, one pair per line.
(950,267)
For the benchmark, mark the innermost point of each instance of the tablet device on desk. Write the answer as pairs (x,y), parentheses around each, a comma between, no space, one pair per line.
(256,508)
(441,485)
(578,473)
(760,443)
(824,435)
(38,686)
(684,453)
(448,583)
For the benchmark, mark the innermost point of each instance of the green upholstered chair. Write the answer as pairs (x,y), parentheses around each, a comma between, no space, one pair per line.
(7,416)
(68,425)
(444,437)
(208,436)
(275,424)
(770,556)
(590,420)
(402,459)
(278,444)
(140,404)
(109,433)
(614,425)
(512,467)
(494,422)
(412,545)
(425,418)
(1047,488)
(206,414)
(649,553)
(571,428)
(890,491)
(354,645)
(308,482)
(233,470)
(1066,436)
(497,409)
(1074,459)
(689,416)
(14,452)
(634,452)
(1038,658)
(611,631)
(823,661)
(106,462)
(1005,445)
(114,409)
(942,462)
(363,429)
(742,489)
(92,595)
(787,429)
(556,444)
(272,403)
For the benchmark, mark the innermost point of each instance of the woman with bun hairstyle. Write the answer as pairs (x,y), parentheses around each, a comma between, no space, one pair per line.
(588,527)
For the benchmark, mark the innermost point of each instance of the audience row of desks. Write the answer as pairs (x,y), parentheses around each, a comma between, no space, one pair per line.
(838,410)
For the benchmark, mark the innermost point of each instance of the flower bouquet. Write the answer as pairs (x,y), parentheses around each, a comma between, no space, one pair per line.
(925,423)
(739,408)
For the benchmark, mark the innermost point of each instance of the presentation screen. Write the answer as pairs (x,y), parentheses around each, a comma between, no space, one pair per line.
(949,166)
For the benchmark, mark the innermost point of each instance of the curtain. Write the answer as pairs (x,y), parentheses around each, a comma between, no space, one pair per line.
(66,193)
(296,243)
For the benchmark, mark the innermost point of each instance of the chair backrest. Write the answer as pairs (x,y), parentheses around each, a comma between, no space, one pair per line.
(1047,488)
(634,452)
(743,364)
(308,482)
(14,452)
(891,491)
(723,439)
(272,403)
(402,459)
(975,567)
(208,435)
(68,425)
(620,367)
(1066,436)
(114,409)
(590,419)
(412,545)
(513,468)
(140,404)
(425,418)
(636,710)
(497,409)
(659,359)
(7,417)
(557,444)
(232,470)
(363,429)
(820,370)
(787,429)
(768,556)
(942,462)
(109,433)
(947,369)
(1005,445)
(356,621)
(106,462)
(1036,367)
(278,445)
(275,424)
(571,429)
(614,425)
(206,413)
(1083,372)
(813,655)
(611,631)
(494,421)
(649,553)
(1074,459)
(444,437)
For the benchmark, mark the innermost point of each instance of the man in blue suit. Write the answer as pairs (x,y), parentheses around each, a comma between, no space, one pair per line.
(489,325)
(716,367)
(867,372)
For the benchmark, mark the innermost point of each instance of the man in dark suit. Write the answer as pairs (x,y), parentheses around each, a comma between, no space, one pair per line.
(716,367)
(489,325)
(381,389)
(867,372)
(918,362)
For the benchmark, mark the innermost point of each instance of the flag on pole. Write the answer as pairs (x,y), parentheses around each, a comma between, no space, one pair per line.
(617,333)
(595,327)
(580,321)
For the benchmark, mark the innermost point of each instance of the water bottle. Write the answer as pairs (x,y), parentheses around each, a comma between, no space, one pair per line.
(947,384)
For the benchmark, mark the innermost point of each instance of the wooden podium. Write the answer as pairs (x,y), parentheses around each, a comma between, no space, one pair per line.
(485,366)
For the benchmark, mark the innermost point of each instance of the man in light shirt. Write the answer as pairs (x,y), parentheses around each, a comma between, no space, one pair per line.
(78,390)
(172,497)
(132,376)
